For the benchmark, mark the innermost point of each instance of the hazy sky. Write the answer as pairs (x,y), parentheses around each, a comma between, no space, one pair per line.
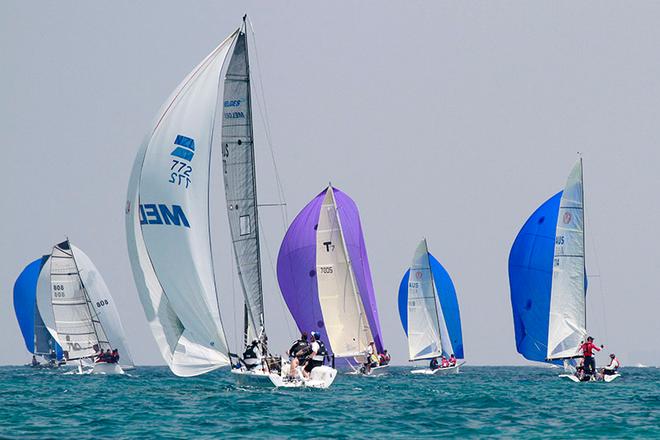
(452,121)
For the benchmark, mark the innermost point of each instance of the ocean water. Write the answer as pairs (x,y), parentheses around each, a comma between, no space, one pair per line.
(480,402)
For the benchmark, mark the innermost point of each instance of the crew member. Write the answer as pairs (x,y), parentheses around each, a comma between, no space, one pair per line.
(452,360)
(587,350)
(317,356)
(612,367)
(434,365)
(445,362)
(251,355)
(298,353)
(384,358)
(35,362)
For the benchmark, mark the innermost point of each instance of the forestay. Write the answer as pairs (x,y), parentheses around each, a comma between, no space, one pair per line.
(78,329)
(238,162)
(343,311)
(167,222)
(567,326)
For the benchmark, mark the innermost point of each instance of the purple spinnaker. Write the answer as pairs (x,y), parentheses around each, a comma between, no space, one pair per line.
(296,266)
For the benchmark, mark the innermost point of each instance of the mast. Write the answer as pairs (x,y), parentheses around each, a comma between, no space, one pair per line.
(584,247)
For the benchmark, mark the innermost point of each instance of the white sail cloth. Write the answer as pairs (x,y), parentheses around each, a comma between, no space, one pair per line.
(567,325)
(103,307)
(167,223)
(343,312)
(428,336)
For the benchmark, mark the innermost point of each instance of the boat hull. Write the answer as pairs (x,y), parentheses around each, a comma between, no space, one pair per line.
(608,378)
(106,368)
(438,371)
(321,377)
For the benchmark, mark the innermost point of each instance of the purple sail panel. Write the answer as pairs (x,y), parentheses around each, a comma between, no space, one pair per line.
(296,270)
(357,251)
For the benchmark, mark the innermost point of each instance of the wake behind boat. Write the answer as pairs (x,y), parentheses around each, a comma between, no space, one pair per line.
(548,280)
(430,316)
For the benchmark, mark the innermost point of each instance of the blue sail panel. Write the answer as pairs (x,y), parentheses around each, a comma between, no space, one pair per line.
(27,314)
(530,279)
(448,301)
(25,289)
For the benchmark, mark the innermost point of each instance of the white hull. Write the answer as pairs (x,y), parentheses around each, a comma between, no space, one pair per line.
(106,368)
(608,378)
(439,371)
(375,371)
(321,377)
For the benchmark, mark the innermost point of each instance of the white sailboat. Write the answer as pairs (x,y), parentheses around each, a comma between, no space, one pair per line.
(567,328)
(167,217)
(78,310)
(428,335)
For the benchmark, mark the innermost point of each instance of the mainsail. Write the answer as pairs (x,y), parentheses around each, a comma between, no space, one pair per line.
(35,334)
(297,270)
(167,222)
(546,265)
(79,331)
(568,312)
(428,308)
(238,162)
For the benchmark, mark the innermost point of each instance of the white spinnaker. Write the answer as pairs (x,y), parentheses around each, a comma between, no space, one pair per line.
(343,312)
(103,306)
(172,264)
(80,333)
(567,325)
(424,339)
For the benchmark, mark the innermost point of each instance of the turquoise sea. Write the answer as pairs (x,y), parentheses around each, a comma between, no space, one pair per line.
(480,402)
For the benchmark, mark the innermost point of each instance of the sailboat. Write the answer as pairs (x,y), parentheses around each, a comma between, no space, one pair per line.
(168,225)
(78,311)
(429,312)
(324,276)
(547,277)
(38,340)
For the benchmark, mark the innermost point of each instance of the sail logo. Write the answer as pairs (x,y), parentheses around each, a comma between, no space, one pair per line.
(567,218)
(160,214)
(232,103)
(185,149)
(234,115)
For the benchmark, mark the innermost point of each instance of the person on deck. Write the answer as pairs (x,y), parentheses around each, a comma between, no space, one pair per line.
(317,356)
(434,365)
(115,356)
(251,355)
(452,360)
(35,362)
(587,350)
(298,353)
(384,358)
(444,363)
(612,367)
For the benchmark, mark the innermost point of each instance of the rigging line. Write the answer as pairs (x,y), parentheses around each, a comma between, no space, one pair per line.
(291,333)
(600,279)
(233,299)
(263,112)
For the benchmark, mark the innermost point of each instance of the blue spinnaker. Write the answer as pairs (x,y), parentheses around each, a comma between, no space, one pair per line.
(530,279)
(448,302)
(27,314)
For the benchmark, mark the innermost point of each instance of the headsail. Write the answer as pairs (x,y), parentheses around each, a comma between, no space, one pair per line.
(341,304)
(79,331)
(567,326)
(167,223)
(35,334)
(238,162)
(447,336)
(103,306)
